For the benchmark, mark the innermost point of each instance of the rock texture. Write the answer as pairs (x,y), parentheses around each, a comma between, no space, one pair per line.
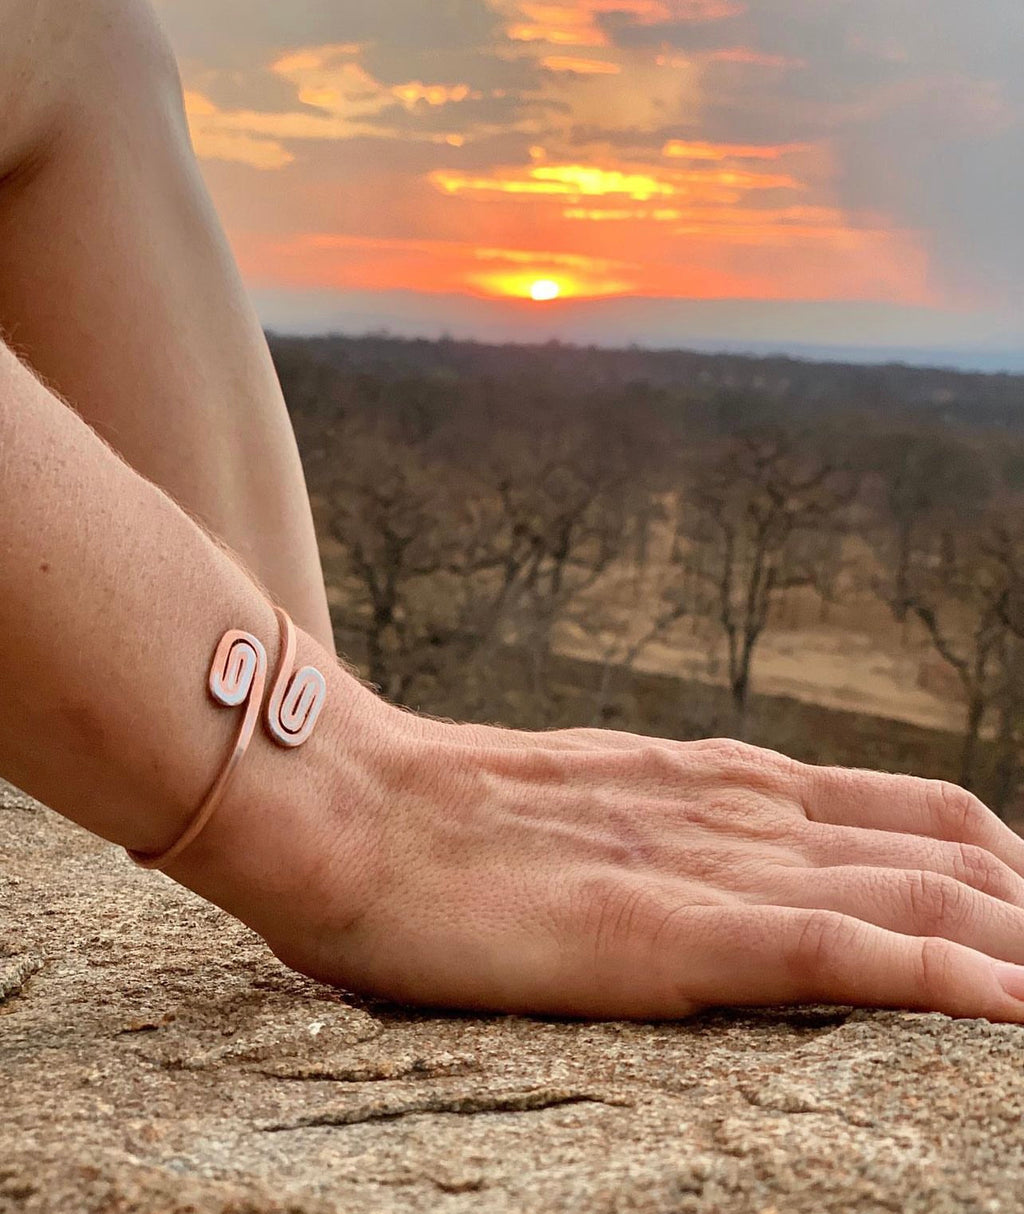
(154,1057)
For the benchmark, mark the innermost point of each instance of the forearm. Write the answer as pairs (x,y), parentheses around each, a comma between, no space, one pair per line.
(112,601)
(150,332)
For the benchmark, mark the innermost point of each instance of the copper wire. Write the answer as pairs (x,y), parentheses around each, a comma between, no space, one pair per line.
(238,675)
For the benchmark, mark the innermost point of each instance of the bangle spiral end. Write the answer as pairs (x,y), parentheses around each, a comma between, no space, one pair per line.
(238,676)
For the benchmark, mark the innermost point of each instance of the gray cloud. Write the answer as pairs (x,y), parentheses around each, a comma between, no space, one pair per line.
(392,63)
(468,115)
(921,101)
(233,32)
(624,31)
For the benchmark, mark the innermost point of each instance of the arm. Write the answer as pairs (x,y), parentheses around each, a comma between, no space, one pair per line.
(579,871)
(119,288)
(112,600)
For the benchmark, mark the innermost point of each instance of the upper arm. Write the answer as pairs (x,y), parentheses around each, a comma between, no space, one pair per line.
(57,58)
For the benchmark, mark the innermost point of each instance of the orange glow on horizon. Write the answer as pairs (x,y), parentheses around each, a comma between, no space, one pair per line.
(434,267)
(858,265)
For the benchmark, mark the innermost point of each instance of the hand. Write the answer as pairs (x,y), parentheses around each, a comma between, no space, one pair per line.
(602,874)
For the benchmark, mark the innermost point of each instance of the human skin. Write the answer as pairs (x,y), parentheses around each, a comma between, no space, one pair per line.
(118,286)
(584,872)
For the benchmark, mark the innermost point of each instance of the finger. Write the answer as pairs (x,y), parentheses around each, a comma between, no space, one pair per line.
(914,903)
(759,956)
(911,806)
(832,846)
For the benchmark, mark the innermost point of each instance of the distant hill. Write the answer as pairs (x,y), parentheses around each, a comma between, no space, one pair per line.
(934,395)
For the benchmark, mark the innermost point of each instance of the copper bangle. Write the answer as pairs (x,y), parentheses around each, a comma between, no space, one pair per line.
(238,675)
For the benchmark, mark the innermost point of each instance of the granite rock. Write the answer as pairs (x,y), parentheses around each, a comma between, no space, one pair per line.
(156,1057)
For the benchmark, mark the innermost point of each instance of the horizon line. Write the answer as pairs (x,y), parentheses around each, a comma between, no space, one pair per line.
(977,361)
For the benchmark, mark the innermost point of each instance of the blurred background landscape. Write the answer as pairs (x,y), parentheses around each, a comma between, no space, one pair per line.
(824,559)
(608,329)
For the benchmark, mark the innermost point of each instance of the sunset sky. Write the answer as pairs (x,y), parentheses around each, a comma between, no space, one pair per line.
(742,173)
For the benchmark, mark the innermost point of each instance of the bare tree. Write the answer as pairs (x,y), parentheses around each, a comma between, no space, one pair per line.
(927,481)
(623,620)
(445,568)
(561,520)
(1009,727)
(756,512)
(408,528)
(953,579)
(1005,547)
(946,561)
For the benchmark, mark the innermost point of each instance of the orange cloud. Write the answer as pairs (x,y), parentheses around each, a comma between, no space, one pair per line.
(702,220)
(581,67)
(682,150)
(571,179)
(432,94)
(748,56)
(215,140)
(329,78)
(564,23)
(581,181)
(576,275)
(312,58)
(560,24)
(721,220)
(617,215)
(342,99)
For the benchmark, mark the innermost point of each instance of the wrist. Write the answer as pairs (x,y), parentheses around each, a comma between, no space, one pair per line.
(288,813)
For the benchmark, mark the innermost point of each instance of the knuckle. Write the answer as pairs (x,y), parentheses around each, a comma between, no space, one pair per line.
(659,760)
(745,814)
(822,938)
(845,787)
(608,906)
(936,966)
(954,809)
(662,766)
(936,902)
(732,751)
(617,912)
(735,762)
(585,737)
(978,867)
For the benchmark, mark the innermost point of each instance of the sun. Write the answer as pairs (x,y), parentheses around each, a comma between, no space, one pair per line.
(544,289)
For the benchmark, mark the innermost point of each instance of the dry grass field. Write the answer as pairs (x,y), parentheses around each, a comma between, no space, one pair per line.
(833,682)
(848,654)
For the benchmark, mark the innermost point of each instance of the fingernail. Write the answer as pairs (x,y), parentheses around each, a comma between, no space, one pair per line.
(1011,978)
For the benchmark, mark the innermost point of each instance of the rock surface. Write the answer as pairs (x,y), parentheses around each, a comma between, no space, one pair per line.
(156,1058)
